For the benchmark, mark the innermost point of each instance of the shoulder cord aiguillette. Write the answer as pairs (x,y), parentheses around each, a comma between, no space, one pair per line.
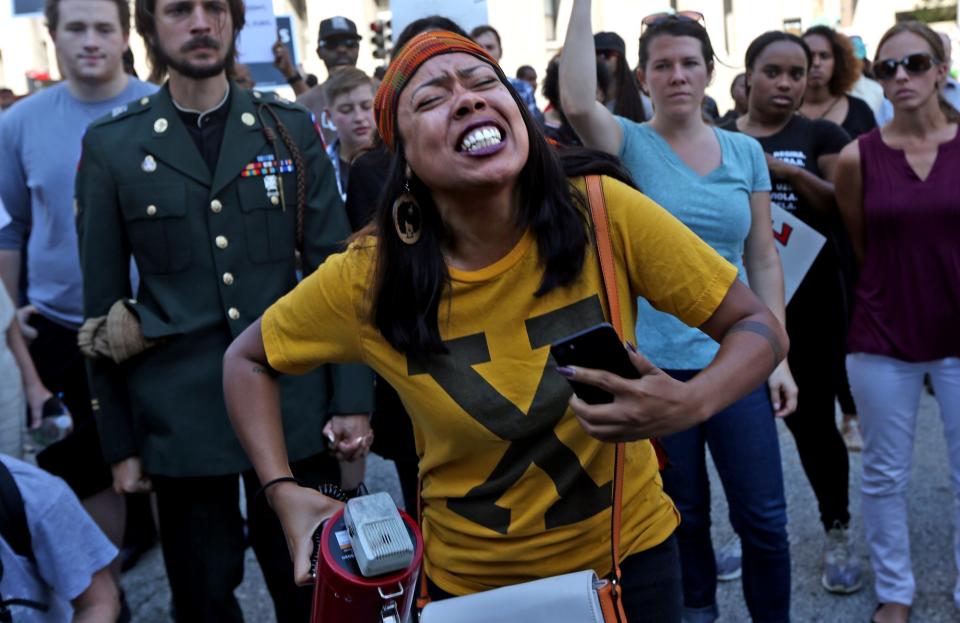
(299,170)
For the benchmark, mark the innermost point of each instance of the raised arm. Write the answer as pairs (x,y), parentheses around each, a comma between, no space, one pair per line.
(594,124)
(850,197)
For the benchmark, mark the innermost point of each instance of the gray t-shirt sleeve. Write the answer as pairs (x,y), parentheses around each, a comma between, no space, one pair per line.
(69,547)
(632,149)
(13,187)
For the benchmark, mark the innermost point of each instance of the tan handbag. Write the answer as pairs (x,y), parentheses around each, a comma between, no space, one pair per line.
(578,597)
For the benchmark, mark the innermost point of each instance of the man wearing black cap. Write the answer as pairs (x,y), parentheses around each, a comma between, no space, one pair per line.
(338,46)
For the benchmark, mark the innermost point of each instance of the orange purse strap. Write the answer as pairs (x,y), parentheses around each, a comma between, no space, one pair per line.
(601,234)
(424,598)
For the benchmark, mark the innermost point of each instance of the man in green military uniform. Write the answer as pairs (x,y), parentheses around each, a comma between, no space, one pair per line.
(211,189)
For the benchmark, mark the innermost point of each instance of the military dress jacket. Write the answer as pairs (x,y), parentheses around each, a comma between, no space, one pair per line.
(214,249)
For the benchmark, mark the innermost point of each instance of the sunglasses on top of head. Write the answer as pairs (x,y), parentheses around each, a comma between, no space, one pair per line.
(914,64)
(656,19)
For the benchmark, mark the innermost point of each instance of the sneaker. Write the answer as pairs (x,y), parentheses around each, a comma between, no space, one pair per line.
(851,434)
(729,559)
(841,571)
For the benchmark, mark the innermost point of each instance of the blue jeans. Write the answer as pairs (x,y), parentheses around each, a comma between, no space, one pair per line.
(745,449)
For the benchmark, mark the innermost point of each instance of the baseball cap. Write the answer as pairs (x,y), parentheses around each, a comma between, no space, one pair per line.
(338,27)
(609,42)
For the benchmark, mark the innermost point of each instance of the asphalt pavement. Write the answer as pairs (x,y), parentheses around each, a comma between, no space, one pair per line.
(931,507)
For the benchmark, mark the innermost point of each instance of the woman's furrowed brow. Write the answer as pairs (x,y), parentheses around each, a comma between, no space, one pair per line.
(445,78)
(468,71)
(440,80)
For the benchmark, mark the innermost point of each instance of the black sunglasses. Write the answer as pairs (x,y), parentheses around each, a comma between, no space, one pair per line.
(656,19)
(336,43)
(914,64)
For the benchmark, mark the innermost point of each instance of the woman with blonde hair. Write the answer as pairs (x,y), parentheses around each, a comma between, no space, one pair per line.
(897,191)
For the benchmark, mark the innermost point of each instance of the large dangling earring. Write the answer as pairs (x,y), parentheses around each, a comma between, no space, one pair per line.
(407,218)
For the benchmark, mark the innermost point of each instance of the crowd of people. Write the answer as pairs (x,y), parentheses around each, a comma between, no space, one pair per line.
(225,289)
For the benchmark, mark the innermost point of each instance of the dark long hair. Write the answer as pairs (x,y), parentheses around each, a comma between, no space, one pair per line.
(411,280)
(846,67)
(629,104)
(551,91)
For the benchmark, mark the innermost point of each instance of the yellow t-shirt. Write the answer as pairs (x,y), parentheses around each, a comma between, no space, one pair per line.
(513,488)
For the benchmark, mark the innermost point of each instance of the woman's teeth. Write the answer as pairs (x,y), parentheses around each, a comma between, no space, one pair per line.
(481,138)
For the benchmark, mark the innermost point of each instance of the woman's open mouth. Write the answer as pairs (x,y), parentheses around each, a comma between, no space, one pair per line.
(481,139)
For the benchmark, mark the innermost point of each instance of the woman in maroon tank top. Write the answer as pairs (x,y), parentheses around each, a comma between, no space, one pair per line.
(899,194)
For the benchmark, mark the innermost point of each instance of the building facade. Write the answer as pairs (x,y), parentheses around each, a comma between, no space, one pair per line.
(532,30)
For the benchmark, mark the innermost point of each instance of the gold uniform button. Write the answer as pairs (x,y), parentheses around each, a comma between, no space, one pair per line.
(151,210)
(144,101)
(160,125)
(247,118)
(274,199)
(221,242)
(234,313)
(257,95)
(216,206)
(228,279)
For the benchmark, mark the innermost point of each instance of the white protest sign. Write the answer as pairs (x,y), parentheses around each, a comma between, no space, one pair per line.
(798,245)
(255,43)
(467,14)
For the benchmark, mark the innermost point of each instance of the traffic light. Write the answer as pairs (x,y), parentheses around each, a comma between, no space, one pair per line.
(380,38)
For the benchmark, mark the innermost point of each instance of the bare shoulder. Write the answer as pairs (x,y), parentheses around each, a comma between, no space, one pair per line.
(850,156)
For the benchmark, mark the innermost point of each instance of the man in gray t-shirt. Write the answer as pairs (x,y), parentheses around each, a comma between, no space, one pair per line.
(69,574)
(39,153)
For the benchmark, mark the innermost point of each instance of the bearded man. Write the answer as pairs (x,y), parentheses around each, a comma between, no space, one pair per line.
(213,189)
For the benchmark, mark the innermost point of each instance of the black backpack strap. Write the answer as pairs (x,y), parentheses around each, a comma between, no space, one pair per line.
(13,516)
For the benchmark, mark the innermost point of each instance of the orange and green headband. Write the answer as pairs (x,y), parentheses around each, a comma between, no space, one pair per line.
(418,51)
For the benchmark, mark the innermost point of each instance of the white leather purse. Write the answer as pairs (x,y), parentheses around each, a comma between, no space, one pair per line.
(568,598)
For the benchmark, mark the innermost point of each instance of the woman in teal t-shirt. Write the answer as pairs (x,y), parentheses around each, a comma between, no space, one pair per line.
(717,183)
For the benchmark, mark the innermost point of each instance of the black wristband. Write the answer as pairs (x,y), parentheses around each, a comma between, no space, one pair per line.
(264,488)
(295,78)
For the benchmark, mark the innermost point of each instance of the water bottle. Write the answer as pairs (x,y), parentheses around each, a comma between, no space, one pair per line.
(55,425)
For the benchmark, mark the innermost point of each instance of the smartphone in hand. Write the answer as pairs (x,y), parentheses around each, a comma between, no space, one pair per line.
(596,347)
